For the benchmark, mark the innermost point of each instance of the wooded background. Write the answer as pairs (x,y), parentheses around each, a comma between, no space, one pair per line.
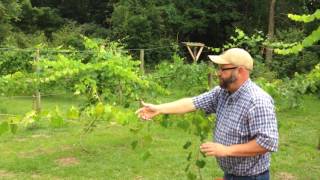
(152,24)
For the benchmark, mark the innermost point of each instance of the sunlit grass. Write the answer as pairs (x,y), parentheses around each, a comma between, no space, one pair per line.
(48,153)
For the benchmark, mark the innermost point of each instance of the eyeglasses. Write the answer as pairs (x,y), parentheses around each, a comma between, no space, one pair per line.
(225,69)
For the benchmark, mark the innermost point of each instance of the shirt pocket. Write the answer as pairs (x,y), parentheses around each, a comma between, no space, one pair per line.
(240,131)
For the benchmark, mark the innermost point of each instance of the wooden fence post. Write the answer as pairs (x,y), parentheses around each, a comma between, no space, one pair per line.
(210,75)
(37,95)
(142,61)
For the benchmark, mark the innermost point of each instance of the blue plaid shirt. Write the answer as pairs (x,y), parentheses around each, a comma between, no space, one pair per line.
(242,116)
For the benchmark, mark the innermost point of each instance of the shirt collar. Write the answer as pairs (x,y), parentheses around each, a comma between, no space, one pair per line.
(234,96)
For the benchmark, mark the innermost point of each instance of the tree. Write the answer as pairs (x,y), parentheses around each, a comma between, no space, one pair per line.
(81,11)
(140,25)
(9,11)
(270,30)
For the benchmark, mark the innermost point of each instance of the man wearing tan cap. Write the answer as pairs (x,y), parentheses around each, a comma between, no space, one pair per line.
(246,127)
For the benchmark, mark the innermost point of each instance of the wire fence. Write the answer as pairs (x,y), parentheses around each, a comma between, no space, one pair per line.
(32,96)
(36,98)
(79,51)
(37,51)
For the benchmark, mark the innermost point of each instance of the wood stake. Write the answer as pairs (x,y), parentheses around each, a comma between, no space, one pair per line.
(37,100)
(142,61)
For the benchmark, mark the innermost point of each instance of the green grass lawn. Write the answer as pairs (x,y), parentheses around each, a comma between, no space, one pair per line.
(48,153)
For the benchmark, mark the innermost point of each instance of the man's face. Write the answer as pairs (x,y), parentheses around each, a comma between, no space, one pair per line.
(227,75)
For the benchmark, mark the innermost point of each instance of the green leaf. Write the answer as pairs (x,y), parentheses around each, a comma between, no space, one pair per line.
(134,144)
(13,128)
(57,121)
(183,125)
(135,130)
(191,176)
(146,155)
(187,168)
(187,145)
(165,122)
(200,163)
(4,127)
(203,154)
(29,118)
(73,113)
(189,156)
(99,110)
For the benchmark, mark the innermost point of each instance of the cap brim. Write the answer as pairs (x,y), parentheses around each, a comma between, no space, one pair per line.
(217,59)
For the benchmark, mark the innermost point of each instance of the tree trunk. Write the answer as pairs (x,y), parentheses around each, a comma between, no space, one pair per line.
(270,30)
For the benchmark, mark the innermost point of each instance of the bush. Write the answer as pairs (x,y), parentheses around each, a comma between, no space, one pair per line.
(187,78)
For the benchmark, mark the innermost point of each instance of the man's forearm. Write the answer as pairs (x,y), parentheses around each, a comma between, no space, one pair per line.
(252,148)
(177,107)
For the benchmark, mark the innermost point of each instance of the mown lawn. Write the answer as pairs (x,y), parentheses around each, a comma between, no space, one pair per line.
(48,153)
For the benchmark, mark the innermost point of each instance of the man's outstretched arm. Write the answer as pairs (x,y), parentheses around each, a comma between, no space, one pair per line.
(148,111)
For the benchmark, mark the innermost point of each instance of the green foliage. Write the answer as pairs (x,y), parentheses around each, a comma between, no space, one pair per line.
(140,24)
(281,92)
(16,83)
(69,35)
(187,78)
(305,18)
(287,65)
(20,39)
(4,126)
(9,11)
(307,41)
(38,18)
(56,119)
(109,78)
(100,72)
(198,124)
(313,79)
(98,12)
(289,92)
(252,43)
(13,61)
(73,113)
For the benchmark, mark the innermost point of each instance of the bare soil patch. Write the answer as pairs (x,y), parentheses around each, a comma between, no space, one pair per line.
(285,176)
(67,161)
(5,174)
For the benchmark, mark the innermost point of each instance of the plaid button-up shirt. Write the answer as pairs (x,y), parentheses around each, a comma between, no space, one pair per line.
(242,116)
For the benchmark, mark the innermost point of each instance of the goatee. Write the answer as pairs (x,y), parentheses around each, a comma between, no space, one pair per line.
(224,83)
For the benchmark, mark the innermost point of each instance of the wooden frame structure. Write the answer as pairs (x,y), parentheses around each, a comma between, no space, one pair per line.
(195,54)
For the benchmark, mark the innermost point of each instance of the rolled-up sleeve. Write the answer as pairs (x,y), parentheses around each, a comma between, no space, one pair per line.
(207,101)
(263,124)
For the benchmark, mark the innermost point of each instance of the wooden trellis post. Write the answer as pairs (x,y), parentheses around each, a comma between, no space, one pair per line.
(195,49)
(210,74)
(37,95)
(142,61)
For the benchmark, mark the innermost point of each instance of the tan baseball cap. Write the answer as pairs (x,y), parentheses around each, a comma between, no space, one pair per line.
(234,56)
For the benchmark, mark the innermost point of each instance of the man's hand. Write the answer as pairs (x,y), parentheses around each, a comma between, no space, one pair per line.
(148,111)
(214,149)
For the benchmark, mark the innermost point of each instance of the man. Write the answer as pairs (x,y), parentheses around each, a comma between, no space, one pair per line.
(246,126)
